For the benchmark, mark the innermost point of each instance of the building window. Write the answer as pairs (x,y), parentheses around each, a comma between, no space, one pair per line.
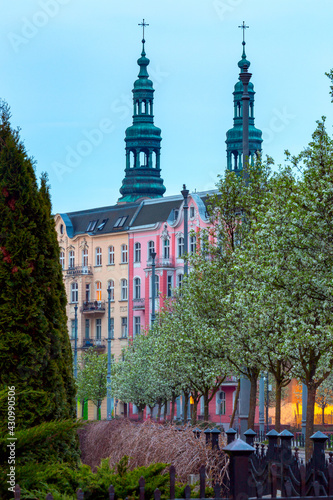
(98,290)
(111,286)
(157,285)
(62,260)
(111,255)
(74,293)
(124,259)
(137,325)
(193,244)
(85,257)
(87,292)
(73,329)
(137,288)
(61,229)
(98,256)
(137,252)
(220,403)
(123,286)
(180,246)
(87,329)
(169,286)
(179,280)
(71,258)
(151,249)
(124,328)
(112,327)
(120,221)
(98,329)
(192,212)
(166,249)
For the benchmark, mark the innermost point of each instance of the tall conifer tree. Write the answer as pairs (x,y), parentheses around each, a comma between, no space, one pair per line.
(35,352)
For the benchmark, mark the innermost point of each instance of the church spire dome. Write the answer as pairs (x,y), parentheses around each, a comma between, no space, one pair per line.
(234,139)
(143,141)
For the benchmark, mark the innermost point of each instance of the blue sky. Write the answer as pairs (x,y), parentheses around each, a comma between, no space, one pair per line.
(68,67)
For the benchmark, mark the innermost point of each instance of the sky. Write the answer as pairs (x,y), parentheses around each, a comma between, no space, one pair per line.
(68,68)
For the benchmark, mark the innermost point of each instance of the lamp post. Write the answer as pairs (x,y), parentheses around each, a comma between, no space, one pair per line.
(108,378)
(153,317)
(75,341)
(185,192)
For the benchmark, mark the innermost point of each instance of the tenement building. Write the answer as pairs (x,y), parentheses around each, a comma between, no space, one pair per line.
(113,246)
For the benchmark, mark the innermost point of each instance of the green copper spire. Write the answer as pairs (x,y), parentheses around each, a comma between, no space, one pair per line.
(143,141)
(234,139)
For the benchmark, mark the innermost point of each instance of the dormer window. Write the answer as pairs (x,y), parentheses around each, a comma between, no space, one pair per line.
(91,226)
(192,212)
(120,221)
(175,213)
(102,224)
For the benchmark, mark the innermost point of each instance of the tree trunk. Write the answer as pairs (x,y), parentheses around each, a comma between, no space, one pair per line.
(159,411)
(253,398)
(206,405)
(323,415)
(309,419)
(235,405)
(165,413)
(173,404)
(186,396)
(140,412)
(278,394)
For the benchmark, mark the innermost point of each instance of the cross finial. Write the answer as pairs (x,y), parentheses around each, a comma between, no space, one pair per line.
(243,26)
(143,24)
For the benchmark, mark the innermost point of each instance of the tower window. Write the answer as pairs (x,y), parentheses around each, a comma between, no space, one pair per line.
(143,159)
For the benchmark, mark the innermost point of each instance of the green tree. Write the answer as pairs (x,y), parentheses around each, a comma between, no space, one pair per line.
(92,378)
(35,352)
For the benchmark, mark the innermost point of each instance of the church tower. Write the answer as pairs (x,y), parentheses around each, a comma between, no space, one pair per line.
(143,141)
(235,134)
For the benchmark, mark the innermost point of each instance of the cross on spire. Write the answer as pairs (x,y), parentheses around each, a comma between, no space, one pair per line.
(243,26)
(143,24)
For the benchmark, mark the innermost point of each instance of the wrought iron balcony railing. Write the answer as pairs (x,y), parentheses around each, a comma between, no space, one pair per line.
(138,303)
(162,262)
(79,270)
(96,343)
(98,306)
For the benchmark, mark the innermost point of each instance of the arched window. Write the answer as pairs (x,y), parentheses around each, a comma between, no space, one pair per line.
(111,254)
(62,259)
(85,257)
(124,256)
(137,252)
(71,259)
(180,246)
(74,293)
(98,256)
(123,288)
(151,249)
(137,288)
(166,249)
(98,290)
(220,403)
(61,229)
(111,286)
(143,159)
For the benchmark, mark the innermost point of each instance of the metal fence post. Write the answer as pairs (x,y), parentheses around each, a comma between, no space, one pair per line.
(231,434)
(318,456)
(239,453)
(249,436)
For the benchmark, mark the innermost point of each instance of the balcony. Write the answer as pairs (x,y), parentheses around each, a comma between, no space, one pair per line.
(139,304)
(230,381)
(162,262)
(96,307)
(79,271)
(98,344)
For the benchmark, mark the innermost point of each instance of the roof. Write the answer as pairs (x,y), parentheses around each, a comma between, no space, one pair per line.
(123,216)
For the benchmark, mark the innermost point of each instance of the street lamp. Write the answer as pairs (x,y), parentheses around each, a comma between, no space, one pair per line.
(75,341)
(185,192)
(153,317)
(108,378)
